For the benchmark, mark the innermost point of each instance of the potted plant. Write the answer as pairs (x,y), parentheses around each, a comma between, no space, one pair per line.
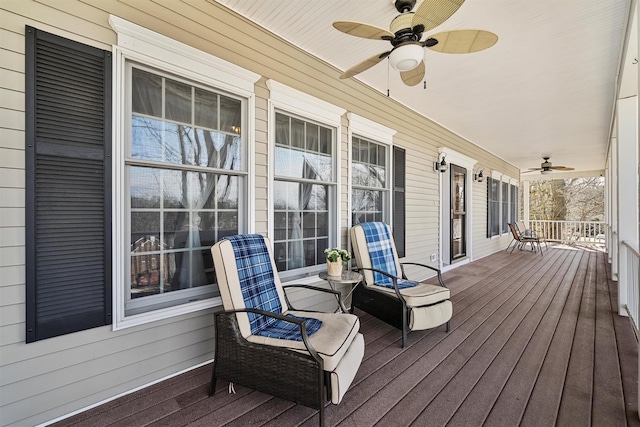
(336,258)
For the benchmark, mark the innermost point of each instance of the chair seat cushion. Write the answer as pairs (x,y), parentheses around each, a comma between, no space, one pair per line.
(331,341)
(422,294)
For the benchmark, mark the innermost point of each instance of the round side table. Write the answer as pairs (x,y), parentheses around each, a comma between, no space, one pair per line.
(346,278)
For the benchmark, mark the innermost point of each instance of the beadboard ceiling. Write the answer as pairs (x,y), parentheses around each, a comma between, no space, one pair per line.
(548,86)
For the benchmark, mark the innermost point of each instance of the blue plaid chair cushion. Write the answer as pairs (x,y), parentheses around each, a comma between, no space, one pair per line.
(259,289)
(380,248)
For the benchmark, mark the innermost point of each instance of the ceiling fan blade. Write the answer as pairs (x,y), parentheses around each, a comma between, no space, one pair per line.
(562,168)
(360,29)
(432,13)
(413,77)
(534,169)
(463,41)
(364,65)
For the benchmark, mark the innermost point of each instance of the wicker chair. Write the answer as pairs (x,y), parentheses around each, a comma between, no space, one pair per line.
(386,292)
(264,344)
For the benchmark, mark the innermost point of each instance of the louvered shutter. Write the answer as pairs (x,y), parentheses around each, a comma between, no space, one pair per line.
(68,188)
(399,202)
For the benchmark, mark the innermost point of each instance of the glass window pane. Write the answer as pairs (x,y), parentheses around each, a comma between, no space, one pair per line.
(144,187)
(177,101)
(227,224)
(280,255)
(206,109)
(312,137)
(309,224)
(176,226)
(146,138)
(179,144)
(297,133)
(230,115)
(382,156)
(355,150)
(146,93)
(321,245)
(326,141)
(145,231)
(309,252)
(282,130)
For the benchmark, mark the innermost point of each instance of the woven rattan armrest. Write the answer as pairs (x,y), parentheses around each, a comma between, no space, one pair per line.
(437,270)
(314,288)
(303,331)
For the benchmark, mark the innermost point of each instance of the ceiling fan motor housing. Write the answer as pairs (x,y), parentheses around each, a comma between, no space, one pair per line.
(404,5)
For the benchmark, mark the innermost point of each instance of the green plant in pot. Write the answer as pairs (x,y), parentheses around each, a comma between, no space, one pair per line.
(336,259)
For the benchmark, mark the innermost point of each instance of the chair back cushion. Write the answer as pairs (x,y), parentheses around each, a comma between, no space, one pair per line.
(374,248)
(246,278)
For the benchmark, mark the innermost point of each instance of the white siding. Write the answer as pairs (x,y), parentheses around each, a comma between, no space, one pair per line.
(53,377)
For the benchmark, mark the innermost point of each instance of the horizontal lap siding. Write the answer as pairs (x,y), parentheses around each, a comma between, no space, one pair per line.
(51,378)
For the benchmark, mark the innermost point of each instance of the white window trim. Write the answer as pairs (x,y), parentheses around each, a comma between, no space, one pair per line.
(139,44)
(289,100)
(375,132)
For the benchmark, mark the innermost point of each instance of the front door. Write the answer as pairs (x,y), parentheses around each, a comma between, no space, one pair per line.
(458,212)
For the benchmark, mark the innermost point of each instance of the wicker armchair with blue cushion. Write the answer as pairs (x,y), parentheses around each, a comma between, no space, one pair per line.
(264,344)
(387,293)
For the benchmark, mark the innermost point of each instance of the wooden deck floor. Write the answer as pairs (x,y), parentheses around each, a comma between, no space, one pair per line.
(534,341)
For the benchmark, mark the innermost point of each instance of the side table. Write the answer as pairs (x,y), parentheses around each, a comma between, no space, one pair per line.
(346,278)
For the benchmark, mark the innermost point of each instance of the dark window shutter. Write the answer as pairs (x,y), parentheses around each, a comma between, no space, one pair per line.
(68,186)
(399,200)
(489,184)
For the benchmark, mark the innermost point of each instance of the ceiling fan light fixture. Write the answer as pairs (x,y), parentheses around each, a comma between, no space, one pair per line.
(407,56)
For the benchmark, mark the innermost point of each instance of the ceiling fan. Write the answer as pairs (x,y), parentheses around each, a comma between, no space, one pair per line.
(547,167)
(405,34)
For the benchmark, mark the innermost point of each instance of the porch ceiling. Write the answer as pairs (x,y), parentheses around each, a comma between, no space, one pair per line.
(546,88)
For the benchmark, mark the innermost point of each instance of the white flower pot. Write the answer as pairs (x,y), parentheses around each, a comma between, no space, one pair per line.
(334,268)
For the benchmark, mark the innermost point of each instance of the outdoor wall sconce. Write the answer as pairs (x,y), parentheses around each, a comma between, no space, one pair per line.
(440,166)
(478,177)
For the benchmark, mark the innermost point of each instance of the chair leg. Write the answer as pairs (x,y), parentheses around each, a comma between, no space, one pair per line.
(212,386)
(448,325)
(404,327)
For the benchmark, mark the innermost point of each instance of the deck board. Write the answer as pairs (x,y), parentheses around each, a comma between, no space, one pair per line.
(535,340)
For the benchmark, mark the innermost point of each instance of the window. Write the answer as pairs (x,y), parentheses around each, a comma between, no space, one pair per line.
(304,192)
(182,152)
(502,205)
(504,202)
(369,181)
(493,207)
(185,169)
(513,203)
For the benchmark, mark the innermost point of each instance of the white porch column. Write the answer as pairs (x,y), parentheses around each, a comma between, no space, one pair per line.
(525,200)
(627,160)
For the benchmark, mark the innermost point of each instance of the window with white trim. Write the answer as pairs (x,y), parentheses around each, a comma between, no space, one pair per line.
(186,185)
(504,203)
(304,192)
(502,206)
(493,207)
(183,126)
(369,181)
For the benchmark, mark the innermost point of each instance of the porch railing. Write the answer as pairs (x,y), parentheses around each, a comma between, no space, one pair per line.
(570,232)
(628,279)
